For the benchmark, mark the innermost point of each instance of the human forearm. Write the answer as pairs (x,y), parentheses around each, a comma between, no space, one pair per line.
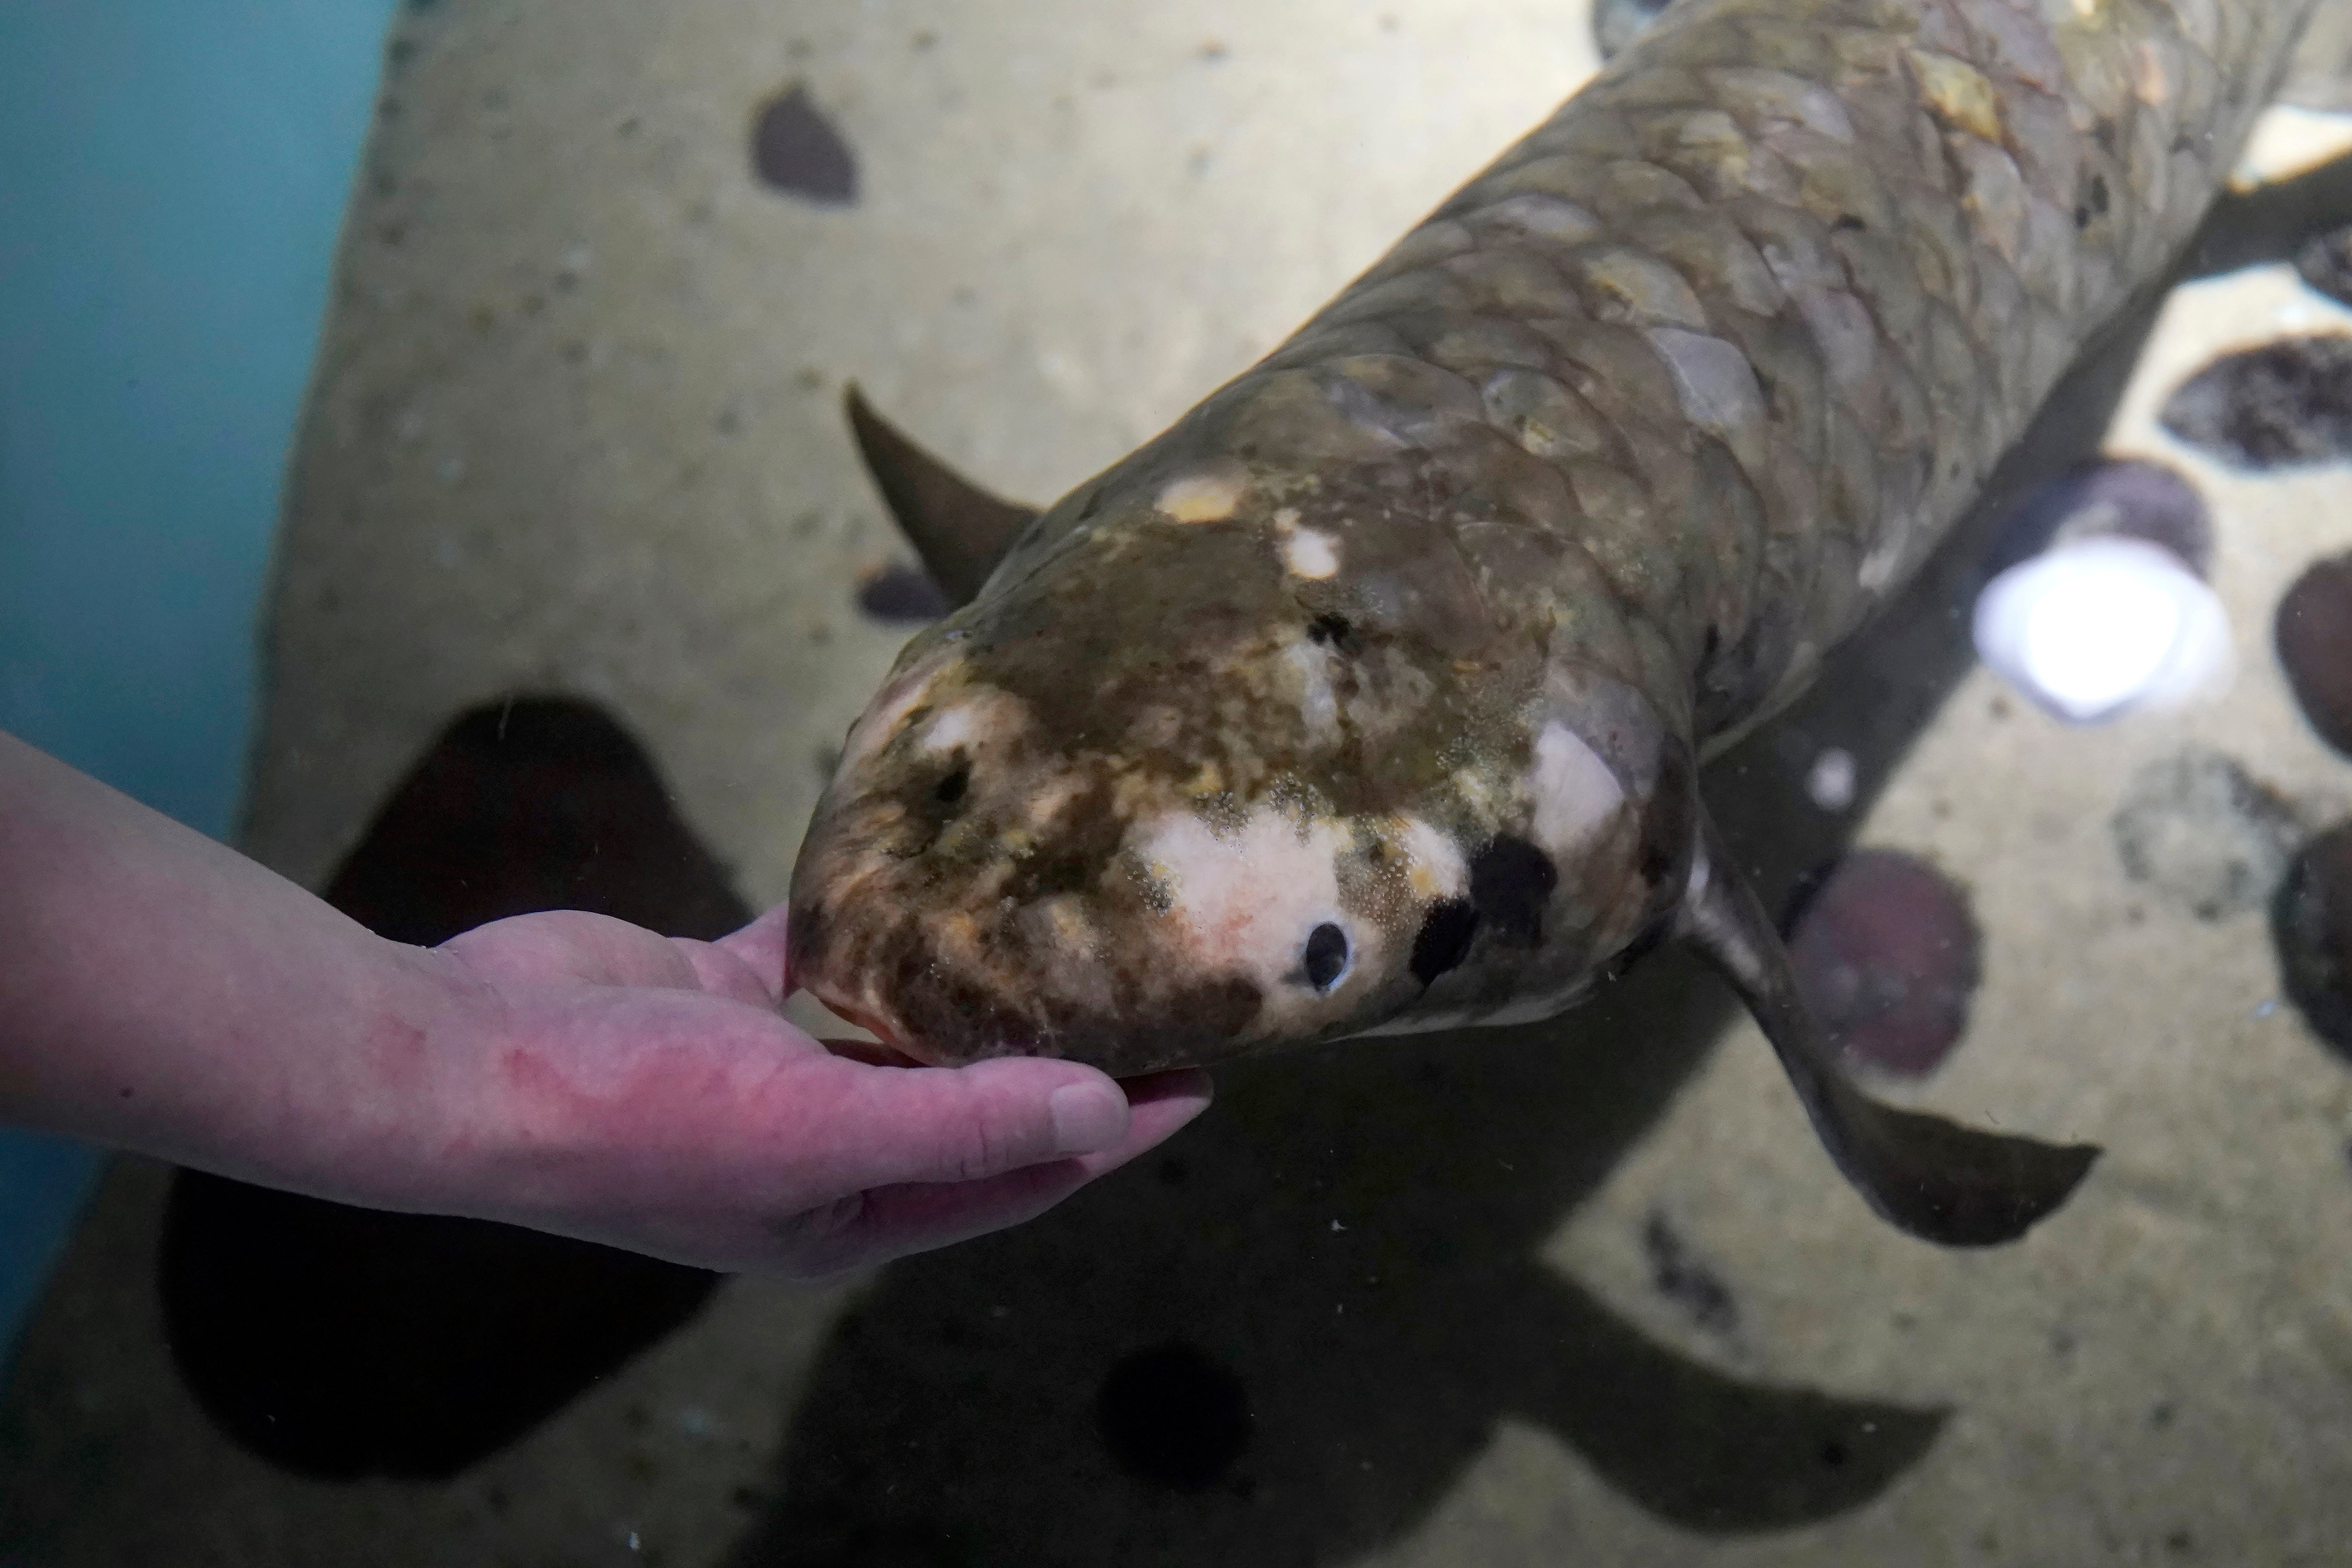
(160,992)
(565,1071)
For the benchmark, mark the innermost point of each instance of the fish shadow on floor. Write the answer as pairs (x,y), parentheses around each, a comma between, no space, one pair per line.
(340,1343)
(1283,1338)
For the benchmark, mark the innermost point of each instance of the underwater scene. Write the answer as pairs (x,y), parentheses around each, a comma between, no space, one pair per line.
(1724,715)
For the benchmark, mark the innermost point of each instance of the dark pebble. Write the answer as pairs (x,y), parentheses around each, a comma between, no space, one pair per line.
(2311,921)
(2124,497)
(2325,264)
(1617,23)
(1174,1416)
(795,150)
(2286,402)
(2197,827)
(901,593)
(1886,955)
(2313,633)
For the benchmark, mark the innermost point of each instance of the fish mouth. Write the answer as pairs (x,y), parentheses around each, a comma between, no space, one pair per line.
(873,1023)
(889,978)
(810,961)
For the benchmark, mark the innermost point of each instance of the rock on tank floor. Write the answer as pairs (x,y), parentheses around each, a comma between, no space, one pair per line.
(576,430)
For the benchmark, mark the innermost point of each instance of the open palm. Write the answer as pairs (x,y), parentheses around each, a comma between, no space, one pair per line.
(645,1091)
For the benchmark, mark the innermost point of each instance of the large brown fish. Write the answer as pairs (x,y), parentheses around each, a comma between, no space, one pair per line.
(1371,696)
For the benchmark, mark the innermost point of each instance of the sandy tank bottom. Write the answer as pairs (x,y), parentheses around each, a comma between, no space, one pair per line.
(576,433)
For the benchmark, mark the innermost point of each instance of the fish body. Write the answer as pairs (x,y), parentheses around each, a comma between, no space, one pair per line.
(1370,696)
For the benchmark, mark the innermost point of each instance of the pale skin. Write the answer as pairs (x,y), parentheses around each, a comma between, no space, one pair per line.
(162,994)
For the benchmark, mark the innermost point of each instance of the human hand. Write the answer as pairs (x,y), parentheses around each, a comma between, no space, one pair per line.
(612,1084)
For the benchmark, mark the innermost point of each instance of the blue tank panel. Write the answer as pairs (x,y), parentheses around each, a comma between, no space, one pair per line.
(173,175)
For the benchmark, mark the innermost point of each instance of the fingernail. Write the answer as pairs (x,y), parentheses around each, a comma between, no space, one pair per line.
(1088,1117)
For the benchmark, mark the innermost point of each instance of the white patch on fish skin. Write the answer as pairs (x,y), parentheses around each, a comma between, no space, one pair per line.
(1878,569)
(1308,553)
(1476,790)
(976,722)
(1718,389)
(1575,792)
(1209,494)
(952,728)
(1434,867)
(882,716)
(1317,705)
(1247,899)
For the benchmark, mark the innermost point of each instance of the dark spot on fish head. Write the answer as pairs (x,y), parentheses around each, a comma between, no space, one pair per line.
(1443,939)
(1886,955)
(1511,883)
(2312,634)
(2129,497)
(2311,923)
(1174,1416)
(2286,403)
(795,150)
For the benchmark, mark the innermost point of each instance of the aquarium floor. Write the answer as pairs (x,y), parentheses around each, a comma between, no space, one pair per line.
(1589,1298)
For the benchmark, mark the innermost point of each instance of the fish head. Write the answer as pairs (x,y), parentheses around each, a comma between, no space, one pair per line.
(1226,770)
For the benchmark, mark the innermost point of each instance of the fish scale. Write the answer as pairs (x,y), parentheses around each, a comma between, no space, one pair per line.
(1369,696)
(1867,237)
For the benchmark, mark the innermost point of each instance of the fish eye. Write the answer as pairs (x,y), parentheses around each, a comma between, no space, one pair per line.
(1326,956)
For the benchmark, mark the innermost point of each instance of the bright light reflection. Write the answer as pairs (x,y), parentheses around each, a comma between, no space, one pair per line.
(2097,628)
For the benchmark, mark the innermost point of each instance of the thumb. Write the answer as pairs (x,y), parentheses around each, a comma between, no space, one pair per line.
(965,1124)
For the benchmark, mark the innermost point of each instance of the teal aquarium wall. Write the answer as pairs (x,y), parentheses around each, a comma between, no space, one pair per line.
(171,176)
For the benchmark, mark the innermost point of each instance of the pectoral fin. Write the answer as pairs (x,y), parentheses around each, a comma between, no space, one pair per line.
(960,530)
(1940,1181)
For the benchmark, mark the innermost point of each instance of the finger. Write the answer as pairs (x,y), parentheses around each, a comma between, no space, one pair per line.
(966,1124)
(896,1221)
(1159,1105)
(722,971)
(760,948)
